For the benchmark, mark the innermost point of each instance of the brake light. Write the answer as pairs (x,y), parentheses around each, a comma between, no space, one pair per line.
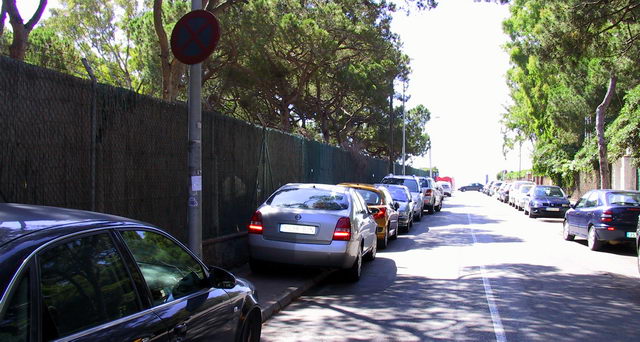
(255,225)
(611,228)
(382,212)
(343,229)
(606,216)
(428,192)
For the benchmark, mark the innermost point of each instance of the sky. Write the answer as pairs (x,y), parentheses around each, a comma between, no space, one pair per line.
(458,72)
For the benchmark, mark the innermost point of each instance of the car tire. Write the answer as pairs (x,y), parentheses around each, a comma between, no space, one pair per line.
(371,255)
(430,209)
(395,234)
(419,216)
(384,242)
(355,271)
(438,208)
(565,232)
(532,215)
(592,241)
(251,328)
(526,212)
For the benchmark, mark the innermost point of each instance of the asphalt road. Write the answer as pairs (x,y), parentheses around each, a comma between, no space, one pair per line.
(477,271)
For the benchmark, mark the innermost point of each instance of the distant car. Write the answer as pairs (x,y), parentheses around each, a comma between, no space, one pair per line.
(313,225)
(381,203)
(401,195)
(71,275)
(433,194)
(521,196)
(515,190)
(446,188)
(471,187)
(502,194)
(603,216)
(413,184)
(546,201)
(494,187)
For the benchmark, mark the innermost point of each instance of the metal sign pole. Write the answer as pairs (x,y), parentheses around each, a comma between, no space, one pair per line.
(195,153)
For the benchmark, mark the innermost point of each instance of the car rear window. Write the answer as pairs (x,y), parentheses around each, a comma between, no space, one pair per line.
(547,191)
(309,198)
(398,194)
(371,197)
(623,198)
(409,183)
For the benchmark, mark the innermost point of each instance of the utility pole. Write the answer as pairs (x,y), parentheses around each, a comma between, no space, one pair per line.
(392,165)
(404,123)
(194,217)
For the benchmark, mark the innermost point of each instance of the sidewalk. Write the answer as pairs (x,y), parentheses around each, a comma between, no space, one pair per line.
(280,287)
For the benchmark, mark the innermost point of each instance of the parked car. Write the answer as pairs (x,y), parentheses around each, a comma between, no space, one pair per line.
(432,194)
(486,189)
(603,216)
(471,187)
(521,195)
(77,275)
(502,194)
(381,204)
(413,184)
(313,225)
(546,201)
(446,188)
(515,190)
(401,195)
(494,187)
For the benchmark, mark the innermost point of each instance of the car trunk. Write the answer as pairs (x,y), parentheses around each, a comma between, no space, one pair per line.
(625,216)
(299,225)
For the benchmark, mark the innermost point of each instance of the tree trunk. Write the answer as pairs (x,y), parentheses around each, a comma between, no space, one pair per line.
(602,145)
(18,48)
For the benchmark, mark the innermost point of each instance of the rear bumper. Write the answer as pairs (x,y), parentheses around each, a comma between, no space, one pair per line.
(619,234)
(339,254)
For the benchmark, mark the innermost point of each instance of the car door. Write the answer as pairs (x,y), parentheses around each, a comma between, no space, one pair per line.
(366,224)
(191,309)
(85,292)
(574,216)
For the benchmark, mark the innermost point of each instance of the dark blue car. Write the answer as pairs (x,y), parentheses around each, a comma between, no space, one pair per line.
(546,201)
(603,216)
(83,276)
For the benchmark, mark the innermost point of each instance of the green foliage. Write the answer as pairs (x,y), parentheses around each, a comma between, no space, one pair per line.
(624,132)
(563,54)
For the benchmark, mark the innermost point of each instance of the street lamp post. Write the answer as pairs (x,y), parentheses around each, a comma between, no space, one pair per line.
(404,123)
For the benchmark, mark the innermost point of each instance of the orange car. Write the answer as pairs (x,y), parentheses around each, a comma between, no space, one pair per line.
(384,210)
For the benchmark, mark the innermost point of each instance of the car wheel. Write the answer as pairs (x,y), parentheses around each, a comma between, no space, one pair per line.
(531,214)
(385,240)
(372,253)
(592,241)
(419,216)
(438,207)
(251,328)
(353,273)
(565,232)
(430,209)
(395,234)
(526,212)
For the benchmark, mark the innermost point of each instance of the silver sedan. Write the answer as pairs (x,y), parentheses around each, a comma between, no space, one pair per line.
(313,225)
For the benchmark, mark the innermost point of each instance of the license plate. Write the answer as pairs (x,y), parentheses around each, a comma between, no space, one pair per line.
(632,234)
(297,229)
(553,209)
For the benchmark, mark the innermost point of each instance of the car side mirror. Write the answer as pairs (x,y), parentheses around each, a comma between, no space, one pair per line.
(221,278)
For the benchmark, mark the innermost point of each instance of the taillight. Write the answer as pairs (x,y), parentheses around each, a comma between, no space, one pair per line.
(255,225)
(382,212)
(343,229)
(611,228)
(606,216)
(428,192)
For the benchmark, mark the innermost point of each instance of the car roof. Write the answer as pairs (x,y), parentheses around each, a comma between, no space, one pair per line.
(17,220)
(331,187)
(370,187)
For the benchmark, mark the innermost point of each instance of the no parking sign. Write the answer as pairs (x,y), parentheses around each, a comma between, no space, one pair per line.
(195,36)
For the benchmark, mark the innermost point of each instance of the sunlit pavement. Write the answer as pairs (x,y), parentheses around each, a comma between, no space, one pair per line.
(477,271)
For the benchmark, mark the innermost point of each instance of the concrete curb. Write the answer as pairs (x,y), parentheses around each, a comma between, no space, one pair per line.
(291,294)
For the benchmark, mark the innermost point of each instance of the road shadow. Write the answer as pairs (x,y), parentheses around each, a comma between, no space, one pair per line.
(625,249)
(534,302)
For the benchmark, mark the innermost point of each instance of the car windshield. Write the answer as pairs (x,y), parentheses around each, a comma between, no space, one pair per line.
(548,191)
(409,183)
(398,194)
(309,198)
(371,197)
(525,188)
(624,198)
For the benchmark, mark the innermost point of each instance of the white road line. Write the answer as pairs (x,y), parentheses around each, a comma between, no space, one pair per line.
(493,308)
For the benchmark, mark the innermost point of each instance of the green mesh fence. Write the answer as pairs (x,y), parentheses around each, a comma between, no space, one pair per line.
(141,154)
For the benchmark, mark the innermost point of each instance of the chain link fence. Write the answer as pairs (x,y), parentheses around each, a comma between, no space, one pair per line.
(141,154)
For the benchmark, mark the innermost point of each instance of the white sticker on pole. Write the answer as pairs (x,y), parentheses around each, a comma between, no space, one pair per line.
(196,183)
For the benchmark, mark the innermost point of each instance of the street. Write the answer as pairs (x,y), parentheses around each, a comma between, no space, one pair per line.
(477,271)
